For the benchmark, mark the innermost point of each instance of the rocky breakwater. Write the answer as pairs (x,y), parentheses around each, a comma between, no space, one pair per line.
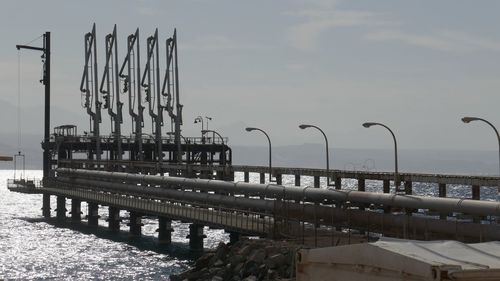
(247,259)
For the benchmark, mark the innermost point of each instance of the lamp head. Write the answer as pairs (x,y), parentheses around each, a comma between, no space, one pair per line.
(303,126)
(468,119)
(209,118)
(249,129)
(369,124)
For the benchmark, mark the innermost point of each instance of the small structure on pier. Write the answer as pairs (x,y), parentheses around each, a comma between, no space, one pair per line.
(394,259)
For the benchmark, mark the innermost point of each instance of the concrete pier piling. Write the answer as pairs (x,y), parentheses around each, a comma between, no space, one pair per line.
(114,219)
(46,205)
(316,181)
(234,237)
(196,236)
(297,180)
(165,230)
(279,179)
(76,212)
(135,224)
(93,214)
(61,208)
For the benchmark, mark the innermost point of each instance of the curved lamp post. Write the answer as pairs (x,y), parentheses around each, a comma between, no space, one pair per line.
(396,175)
(304,126)
(249,129)
(469,119)
(208,119)
(223,160)
(199,119)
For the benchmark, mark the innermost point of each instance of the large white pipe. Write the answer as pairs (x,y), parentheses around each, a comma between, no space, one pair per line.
(316,195)
(389,224)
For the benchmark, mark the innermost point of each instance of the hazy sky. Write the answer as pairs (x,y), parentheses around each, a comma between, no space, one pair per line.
(417,66)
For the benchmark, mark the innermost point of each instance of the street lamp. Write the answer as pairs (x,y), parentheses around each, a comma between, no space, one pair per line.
(249,129)
(469,119)
(223,155)
(396,176)
(304,126)
(199,119)
(208,119)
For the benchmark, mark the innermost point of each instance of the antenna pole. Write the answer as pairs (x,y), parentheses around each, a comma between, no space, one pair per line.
(46,82)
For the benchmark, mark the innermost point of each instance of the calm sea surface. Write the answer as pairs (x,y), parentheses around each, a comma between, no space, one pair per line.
(34,248)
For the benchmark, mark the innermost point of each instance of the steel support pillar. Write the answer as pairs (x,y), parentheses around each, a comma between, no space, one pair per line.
(316,181)
(297,180)
(164,230)
(361,184)
(386,186)
(93,214)
(442,194)
(234,237)
(262,178)
(361,187)
(338,183)
(46,205)
(476,194)
(61,208)
(279,179)
(196,236)
(408,187)
(246,176)
(135,224)
(114,219)
(76,210)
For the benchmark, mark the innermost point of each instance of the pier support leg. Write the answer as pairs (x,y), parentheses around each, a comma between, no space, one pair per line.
(114,219)
(61,208)
(361,187)
(361,184)
(196,236)
(316,181)
(442,194)
(46,205)
(165,230)
(234,237)
(297,180)
(76,210)
(262,178)
(386,186)
(135,224)
(338,183)
(93,214)
(246,176)
(476,194)
(408,187)
(279,179)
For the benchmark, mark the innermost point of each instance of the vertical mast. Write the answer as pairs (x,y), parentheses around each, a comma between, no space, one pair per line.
(91,91)
(110,90)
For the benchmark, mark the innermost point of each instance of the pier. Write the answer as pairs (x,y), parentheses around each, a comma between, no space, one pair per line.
(192,179)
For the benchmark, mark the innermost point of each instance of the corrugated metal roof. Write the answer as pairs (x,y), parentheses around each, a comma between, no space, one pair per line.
(467,256)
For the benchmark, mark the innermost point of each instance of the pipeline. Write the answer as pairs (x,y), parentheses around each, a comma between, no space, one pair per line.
(314,195)
(387,224)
